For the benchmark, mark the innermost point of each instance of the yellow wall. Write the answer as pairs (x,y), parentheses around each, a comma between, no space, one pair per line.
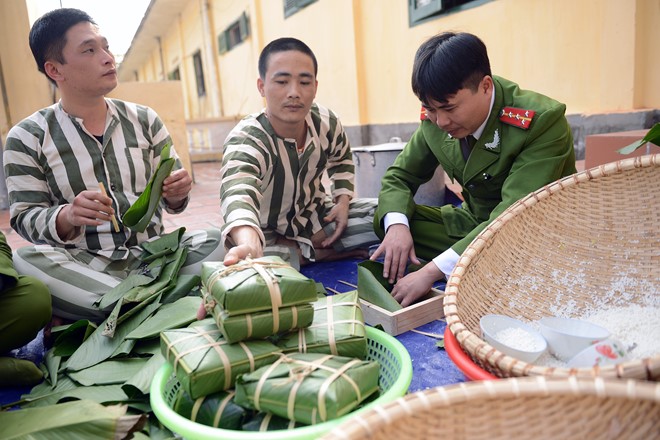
(27,90)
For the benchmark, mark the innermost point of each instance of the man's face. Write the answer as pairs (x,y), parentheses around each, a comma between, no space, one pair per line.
(89,67)
(463,112)
(289,87)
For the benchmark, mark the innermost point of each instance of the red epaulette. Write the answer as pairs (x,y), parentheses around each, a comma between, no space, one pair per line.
(422,114)
(517,117)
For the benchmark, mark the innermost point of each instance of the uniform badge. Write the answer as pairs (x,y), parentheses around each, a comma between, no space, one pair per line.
(495,143)
(517,117)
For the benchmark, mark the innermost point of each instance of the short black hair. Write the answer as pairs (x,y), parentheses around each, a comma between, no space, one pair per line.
(48,34)
(282,45)
(448,62)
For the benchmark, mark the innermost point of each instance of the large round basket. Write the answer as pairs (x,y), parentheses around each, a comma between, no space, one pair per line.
(395,375)
(587,241)
(517,408)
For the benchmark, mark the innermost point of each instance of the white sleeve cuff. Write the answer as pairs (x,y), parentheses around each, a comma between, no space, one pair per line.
(394,218)
(446,261)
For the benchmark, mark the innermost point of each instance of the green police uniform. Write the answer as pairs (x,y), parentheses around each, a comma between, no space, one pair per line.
(526,144)
(25,306)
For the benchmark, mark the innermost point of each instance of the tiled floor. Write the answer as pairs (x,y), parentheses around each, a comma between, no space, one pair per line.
(203,210)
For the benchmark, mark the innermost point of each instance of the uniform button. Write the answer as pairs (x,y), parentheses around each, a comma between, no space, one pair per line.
(113,187)
(471,186)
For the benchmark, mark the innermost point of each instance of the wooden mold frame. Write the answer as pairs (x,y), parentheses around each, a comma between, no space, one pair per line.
(395,323)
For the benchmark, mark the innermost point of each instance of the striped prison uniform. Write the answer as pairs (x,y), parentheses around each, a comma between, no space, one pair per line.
(49,158)
(267,184)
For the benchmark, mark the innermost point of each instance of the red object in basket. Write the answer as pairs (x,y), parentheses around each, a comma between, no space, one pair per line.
(471,370)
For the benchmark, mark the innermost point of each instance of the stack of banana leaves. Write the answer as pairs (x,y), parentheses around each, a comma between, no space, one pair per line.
(97,377)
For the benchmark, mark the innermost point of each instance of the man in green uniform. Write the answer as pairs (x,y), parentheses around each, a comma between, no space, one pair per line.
(497,141)
(24,310)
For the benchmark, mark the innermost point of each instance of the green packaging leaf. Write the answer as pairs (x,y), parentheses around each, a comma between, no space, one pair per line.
(138,216)
(263,421)
(653,136)
(82,419)
(109,372)
(374,288)
(175,315)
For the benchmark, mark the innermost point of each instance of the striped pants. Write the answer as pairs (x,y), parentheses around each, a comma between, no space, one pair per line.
(359,233)
(77,278)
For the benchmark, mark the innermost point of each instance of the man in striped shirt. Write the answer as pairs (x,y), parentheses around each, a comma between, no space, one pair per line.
(273,197)
(57,159)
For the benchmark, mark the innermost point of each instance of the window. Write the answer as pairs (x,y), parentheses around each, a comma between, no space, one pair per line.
(199,73)
(420,11)
(174,75)
(293,6)
(235,34)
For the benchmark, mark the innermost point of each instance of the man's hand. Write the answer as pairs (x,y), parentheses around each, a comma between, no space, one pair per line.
(416,284)
(248,244)
(398,248)
(176,188)
(339,215)
(89,208)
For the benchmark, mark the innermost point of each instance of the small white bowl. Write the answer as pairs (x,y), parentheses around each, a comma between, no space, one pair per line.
(567,336)
(512,337)
(605,352)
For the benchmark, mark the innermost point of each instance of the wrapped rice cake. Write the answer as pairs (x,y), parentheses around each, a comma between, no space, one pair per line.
(268,422)
(217,410)
(255,285)
(205,363)
(308,388)
(338,328)
(261,325)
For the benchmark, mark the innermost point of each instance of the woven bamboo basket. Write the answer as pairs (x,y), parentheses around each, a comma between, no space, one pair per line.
(517,408)
(590,240)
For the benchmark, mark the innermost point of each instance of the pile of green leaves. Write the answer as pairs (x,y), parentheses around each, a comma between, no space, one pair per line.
(111,364)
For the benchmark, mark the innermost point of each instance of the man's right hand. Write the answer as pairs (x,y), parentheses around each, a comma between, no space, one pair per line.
(89,208)
(249,246)
(398,248)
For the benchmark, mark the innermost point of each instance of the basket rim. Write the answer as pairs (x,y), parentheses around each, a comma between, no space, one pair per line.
(479,348)
(518,387)
(189,429)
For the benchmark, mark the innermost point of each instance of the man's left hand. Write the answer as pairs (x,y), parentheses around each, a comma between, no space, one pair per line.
(176,188)
(416,284)
(339,215)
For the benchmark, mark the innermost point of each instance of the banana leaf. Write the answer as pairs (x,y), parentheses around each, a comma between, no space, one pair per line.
(147,347)
(338,328)
(205,363)
(44,394)
(163,245)
(217,410)
(168,316)
(185,285)
(52,364)
(70,337)
(138,216)
(80,419)
(374,288)
(98,393)
(263,421)
(109,372)
(98,348)
(255,285)
(308,388)
(138,385)
(652,136)
(260,325)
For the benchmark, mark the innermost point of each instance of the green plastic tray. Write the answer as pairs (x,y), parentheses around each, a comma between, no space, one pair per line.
(394,379)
